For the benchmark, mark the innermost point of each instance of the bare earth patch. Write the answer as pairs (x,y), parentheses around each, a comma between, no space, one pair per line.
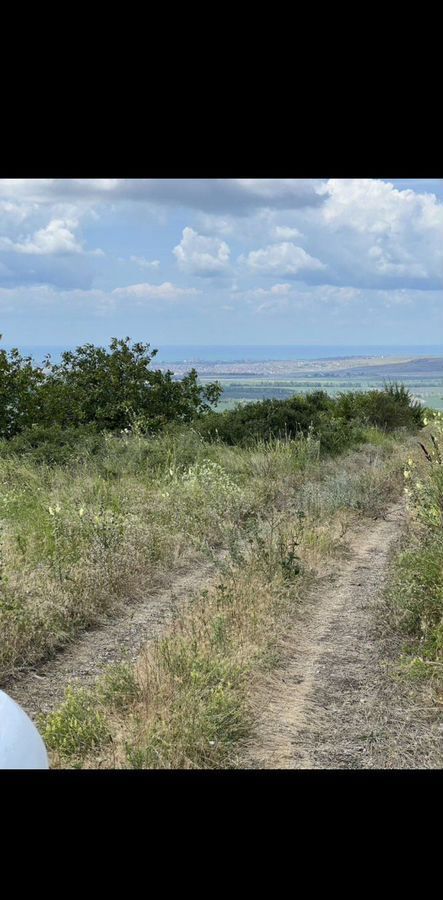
(335,703)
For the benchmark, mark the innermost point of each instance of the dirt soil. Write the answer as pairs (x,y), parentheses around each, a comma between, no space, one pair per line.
(336,703)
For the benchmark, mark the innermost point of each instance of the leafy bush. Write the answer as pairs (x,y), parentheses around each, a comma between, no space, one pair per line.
(52,444)
(52,410)
(390,408)
(335,422)
(20,384)
(105,389)
(266,419)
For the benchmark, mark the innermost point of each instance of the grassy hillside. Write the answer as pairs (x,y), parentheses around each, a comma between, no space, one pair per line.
(94,518)
(278,510)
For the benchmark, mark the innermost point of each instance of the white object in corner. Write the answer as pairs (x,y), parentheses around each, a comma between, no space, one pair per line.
(21,746)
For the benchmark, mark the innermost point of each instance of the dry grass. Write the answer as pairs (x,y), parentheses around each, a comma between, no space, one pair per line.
(79,542)
(413,603)
(189,701)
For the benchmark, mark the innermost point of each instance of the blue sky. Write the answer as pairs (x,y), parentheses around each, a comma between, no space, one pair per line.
(221,261)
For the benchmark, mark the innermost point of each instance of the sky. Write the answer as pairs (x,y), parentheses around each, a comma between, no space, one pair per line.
(221,261)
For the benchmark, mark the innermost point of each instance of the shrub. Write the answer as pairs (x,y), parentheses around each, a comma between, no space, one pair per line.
(105,389)
(20,384)
(390,408)
(112,389)
(335,422)
(52,444)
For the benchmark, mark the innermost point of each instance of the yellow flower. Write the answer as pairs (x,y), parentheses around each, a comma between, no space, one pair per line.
(50,511)
(81,511)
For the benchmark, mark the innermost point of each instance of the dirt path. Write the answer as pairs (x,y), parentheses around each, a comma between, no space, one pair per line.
(334,704)
(41,689)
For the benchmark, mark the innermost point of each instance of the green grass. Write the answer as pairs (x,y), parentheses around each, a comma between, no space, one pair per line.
(414,598)
(79,541)
(189,701)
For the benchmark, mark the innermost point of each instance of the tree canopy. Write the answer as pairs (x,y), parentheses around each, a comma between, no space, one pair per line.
(107,388)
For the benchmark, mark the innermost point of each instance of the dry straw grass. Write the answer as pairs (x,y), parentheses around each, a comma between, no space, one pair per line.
(189,701)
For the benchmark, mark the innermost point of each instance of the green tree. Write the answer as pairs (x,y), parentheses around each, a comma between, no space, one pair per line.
(20,383)
(110,389)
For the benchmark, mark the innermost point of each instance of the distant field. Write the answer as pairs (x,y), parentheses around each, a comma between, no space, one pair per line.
(423,377)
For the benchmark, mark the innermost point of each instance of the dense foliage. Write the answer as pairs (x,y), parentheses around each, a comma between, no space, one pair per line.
(56,411)
(335,421)
(389,409)
(104,389)
(20,385)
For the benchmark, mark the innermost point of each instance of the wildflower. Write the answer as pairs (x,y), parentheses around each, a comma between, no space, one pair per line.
(425,421)
(410,462)
(50,511)
(81,512)
(407,473)
(418,485)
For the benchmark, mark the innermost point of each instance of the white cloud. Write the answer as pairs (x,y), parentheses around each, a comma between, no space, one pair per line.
(12,213)
(356,233)
(376,233)
(281,289)
(285,259)
(146,291)
(57,237)
(200,255)
(371,205)
(94,300)
(145,263)
(285,233)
